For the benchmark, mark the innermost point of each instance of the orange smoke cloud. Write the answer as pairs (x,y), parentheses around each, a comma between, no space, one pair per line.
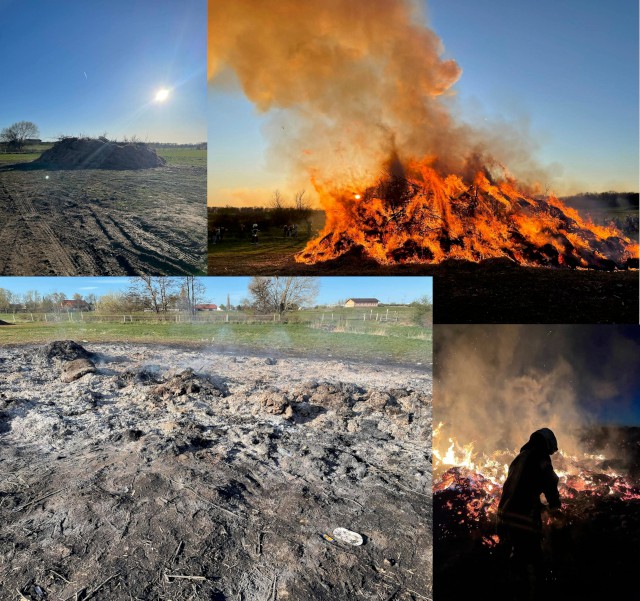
(347,82)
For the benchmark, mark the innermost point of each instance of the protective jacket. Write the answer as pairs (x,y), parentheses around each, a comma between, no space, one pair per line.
(530,474)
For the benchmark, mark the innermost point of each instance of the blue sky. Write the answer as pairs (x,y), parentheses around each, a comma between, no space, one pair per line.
(565,73)
(332,289)
(76,67)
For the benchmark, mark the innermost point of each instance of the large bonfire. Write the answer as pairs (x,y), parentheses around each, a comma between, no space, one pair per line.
(353,84)
(426,217)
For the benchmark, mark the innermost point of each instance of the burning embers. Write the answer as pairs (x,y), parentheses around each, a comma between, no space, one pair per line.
(422,216)
(466,496)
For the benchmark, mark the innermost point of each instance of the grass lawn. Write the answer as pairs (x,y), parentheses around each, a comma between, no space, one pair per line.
(403,344)
(239,254)
(30,153)
(191,157)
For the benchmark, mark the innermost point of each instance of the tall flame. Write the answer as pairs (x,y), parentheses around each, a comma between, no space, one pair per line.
(426,217)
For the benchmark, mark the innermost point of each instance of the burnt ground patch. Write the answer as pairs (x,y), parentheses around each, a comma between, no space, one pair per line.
(113,489)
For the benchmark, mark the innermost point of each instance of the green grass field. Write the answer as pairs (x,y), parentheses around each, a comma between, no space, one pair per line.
(238,255)
(404,344)
(191,157)
(31,153)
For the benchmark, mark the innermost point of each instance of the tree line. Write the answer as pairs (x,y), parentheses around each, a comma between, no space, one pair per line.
(158,294)
(162,294)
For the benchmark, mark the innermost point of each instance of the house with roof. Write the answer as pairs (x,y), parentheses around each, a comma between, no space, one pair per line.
(209,307)
(362,302)
(75,305)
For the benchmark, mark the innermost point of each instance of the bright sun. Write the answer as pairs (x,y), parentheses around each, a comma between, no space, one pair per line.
(162,94)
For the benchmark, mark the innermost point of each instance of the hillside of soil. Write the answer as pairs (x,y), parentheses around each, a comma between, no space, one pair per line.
(98,153)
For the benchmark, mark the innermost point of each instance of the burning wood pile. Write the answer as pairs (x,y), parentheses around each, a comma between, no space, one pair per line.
(598,505)
(422,216)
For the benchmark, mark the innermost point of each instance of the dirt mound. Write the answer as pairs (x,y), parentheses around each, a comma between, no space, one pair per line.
(185,383)
(61,351)
(98,153)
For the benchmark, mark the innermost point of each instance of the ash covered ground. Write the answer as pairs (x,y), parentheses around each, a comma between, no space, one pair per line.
(154,472)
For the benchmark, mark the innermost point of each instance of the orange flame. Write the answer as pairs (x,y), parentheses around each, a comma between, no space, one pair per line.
(425,217)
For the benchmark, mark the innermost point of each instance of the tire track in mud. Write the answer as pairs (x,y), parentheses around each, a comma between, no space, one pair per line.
(132,257)
(146,255)
(113,262)
(28,224)
(167,251)
(8,233)
(65,236)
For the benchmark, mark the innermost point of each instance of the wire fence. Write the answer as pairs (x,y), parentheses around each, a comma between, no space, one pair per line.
(319,318)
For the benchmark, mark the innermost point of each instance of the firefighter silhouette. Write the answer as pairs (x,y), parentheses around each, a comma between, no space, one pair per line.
(520,510)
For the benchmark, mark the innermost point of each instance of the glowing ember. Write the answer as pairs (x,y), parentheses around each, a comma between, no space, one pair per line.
(426,217)
(470,483)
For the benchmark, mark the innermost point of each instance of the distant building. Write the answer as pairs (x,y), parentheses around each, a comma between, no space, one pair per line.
(75,305)
(362,302)
(206,307)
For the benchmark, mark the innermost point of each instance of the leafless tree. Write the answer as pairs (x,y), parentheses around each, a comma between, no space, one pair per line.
(156,292)
(16,135)
(192,291)
(277,202)
(281,294)
(301,202)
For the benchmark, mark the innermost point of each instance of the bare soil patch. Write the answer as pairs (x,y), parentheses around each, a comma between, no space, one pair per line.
(174,473)
(97,222)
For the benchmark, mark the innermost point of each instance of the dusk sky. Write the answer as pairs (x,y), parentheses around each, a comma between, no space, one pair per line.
(563,74)
(332,289)
(94,67)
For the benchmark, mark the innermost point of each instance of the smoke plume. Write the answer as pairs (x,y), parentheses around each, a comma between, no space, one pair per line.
(348,85)
(495,385)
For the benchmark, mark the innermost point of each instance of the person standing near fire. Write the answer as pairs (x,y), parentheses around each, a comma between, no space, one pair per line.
(254,234)
(520,509)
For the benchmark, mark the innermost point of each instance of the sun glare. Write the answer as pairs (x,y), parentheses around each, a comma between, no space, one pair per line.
(162,94)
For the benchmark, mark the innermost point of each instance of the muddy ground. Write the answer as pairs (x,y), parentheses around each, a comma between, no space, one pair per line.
(174,473)
(96,222)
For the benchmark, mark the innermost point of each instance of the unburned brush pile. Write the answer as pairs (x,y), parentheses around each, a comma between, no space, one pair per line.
(99,153)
